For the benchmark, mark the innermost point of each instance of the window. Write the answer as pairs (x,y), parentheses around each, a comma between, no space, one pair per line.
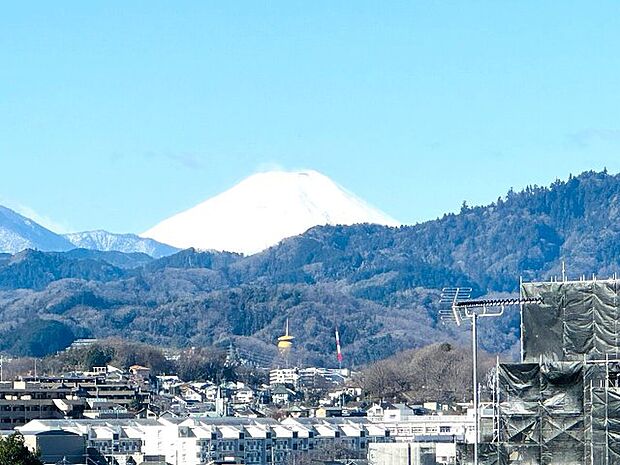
(444,429)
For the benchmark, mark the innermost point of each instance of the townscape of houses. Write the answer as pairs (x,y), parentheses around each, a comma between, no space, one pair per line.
(111,416)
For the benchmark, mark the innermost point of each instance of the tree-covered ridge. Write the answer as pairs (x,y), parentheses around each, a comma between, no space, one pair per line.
(378,285)
(523,234)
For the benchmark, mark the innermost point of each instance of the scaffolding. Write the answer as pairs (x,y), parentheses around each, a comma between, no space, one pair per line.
(561,403)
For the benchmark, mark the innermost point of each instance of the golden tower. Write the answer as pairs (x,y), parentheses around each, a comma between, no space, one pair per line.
(285,342)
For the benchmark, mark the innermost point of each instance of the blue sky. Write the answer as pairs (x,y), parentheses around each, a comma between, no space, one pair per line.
(116,115)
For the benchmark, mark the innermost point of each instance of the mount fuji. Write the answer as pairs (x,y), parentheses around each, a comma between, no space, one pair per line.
(262,210)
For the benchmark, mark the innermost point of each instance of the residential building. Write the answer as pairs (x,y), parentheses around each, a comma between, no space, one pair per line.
(244,395)
(22,401)
(402,453)
(281,395)
(284,376)
(388,412)
(432,428)
(315,377)
(57,445)
(194,441)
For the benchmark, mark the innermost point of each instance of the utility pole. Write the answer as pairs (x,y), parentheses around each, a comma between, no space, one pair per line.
(474,340)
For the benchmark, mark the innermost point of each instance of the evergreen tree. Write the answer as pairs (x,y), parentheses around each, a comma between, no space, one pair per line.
(13,451)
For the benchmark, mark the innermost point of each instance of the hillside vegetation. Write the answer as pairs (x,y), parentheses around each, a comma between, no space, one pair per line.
(378,285)
(438,372)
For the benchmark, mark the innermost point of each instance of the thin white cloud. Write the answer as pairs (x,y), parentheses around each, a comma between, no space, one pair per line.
(585,138)
(269,166)
(185,159)
(43,220)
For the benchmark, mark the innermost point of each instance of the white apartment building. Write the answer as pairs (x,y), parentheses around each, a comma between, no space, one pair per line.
(207,440)
(288,376)
(251,441)
(421,427)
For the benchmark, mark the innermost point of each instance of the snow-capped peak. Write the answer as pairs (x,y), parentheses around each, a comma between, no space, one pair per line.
(262,210)
(18,233)
(107,241)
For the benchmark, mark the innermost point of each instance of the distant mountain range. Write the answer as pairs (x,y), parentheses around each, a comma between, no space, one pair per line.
(379,285)
(255,214)
(106,241)
(19,233)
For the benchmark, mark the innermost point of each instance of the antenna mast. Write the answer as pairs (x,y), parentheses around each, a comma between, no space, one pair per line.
(338,351)
(462,307)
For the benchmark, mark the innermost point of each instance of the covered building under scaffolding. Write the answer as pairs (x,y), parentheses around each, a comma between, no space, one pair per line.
(561,404)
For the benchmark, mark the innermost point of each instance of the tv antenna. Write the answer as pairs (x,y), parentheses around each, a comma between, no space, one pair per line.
(463,307)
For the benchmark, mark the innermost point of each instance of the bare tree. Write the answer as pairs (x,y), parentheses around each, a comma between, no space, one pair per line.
(439,372)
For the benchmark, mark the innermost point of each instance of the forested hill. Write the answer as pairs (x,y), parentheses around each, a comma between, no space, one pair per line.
(524,234)
(377,284)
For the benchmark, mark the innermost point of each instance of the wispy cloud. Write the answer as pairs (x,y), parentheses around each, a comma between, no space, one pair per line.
(185,159)
(587,137)
(43,220)
(269,166)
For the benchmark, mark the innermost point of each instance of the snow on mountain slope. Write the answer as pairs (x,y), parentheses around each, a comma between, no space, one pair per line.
(18,233)
(262,210)
(106,241)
